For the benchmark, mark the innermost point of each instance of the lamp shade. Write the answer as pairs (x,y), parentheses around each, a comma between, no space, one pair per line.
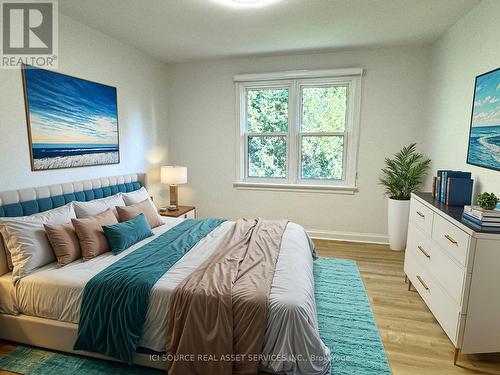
(173,175)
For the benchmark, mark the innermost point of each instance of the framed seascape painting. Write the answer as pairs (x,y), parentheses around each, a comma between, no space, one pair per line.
(72,122)
(484,137)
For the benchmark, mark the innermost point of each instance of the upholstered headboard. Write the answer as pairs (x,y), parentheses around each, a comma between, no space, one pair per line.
(29,201)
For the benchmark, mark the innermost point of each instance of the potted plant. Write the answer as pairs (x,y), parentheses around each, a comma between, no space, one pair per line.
(488,201)
(401,176)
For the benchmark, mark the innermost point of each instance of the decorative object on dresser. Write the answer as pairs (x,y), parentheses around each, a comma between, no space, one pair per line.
(481,218)
(185,212)
(173,176)
(72,127)
(401,176)
(454,268)
(487,201)
(484,136)
(453,188)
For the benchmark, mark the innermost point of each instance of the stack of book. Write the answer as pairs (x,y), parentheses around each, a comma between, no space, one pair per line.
(453,188)
(479,218)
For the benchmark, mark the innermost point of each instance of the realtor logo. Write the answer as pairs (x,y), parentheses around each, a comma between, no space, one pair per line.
(29,33)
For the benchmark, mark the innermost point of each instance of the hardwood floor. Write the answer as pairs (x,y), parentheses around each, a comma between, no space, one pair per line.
(414,342)
(5,348)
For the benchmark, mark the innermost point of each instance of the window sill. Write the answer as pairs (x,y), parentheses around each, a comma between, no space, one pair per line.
(329,189)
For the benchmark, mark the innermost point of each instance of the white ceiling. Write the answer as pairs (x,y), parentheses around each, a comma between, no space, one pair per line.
(185,30)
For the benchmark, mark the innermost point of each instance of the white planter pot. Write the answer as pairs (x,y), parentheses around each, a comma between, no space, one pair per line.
(398,213)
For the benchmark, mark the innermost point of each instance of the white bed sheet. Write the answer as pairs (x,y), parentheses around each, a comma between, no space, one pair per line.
(55,293)
(7,298)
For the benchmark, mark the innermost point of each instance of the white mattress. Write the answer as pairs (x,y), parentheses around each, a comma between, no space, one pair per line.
(55,293)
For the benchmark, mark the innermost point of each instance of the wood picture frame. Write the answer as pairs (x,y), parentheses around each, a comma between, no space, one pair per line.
(71,122)
(484,133)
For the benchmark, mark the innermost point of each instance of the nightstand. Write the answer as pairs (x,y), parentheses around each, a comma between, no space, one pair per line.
(183,212)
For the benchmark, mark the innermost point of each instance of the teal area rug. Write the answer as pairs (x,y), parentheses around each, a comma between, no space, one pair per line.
(345,320)
(32,361)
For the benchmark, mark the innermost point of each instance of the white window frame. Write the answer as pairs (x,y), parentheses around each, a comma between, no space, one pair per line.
(246,135)
(295,81)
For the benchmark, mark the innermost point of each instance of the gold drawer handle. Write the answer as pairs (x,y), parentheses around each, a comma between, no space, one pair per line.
(451,239)
(421,214)
(422,282)
(424,252)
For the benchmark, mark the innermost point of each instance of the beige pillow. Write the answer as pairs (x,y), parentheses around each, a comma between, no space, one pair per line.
(93,242)
(64,242)
(145,207)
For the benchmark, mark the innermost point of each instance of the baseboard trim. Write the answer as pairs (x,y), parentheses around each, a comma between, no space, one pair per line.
(349,236)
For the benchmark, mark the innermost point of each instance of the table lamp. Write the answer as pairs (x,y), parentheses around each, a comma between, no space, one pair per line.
(173,176)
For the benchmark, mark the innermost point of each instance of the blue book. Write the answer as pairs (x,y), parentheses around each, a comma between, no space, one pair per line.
(482,222)
(438,185)
(480,227)
(459,191)
(444,181)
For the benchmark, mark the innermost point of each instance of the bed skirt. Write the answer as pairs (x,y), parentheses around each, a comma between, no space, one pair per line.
(56,335)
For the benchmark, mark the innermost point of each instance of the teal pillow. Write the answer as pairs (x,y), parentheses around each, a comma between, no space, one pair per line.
(123,235)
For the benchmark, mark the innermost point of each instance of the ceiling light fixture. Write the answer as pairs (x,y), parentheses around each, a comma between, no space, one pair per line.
(246,3)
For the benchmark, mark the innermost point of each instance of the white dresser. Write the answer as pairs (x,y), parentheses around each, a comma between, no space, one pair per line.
(456,271)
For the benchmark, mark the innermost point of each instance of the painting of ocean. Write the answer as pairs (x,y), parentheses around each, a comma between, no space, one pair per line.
(484,139)
(72,122)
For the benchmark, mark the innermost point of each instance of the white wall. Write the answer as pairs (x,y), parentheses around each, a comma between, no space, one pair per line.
(202,126)
(87,53)
(469,48)
(409,94)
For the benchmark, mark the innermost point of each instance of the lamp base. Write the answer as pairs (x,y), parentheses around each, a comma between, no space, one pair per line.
(173,198)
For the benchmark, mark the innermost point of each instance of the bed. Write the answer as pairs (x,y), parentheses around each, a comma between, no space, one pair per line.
(43,308)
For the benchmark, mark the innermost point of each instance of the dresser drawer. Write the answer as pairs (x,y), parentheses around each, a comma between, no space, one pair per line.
(421,215)
(452,239)
(442,306)
(447,272)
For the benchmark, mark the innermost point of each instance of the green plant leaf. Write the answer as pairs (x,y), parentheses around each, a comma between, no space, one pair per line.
(404,173)
(487,201)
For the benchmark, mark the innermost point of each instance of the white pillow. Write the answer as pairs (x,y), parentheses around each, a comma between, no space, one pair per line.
(55,215)
(27,242)
(137,196)
(97,206)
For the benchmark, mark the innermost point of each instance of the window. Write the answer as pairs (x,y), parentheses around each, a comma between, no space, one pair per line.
(267,132)
(300,131)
